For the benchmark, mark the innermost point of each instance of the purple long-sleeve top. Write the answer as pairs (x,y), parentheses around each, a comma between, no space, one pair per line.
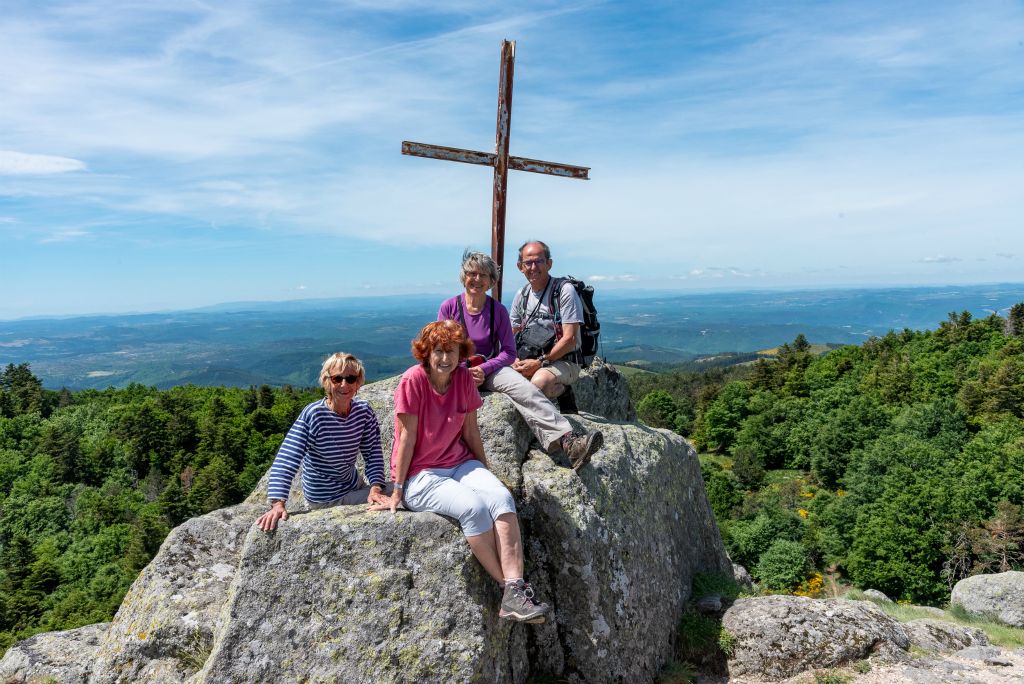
(479,328)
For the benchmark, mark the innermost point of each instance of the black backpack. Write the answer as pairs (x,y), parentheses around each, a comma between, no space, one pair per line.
(590,329)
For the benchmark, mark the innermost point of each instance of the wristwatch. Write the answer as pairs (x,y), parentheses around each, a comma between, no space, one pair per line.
(543,358)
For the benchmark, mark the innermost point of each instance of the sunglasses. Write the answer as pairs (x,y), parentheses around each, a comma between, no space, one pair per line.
(350,379)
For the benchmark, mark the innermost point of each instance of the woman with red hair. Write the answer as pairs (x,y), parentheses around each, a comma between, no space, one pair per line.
(438,463)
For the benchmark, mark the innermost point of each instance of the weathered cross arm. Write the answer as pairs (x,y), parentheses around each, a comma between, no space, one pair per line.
(415,149)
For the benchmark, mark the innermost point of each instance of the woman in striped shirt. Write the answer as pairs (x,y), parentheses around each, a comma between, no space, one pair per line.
(325,440)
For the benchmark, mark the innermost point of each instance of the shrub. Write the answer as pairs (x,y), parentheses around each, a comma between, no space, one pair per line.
(783,566)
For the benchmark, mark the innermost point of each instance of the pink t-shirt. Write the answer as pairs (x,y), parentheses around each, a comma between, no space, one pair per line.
(440,417)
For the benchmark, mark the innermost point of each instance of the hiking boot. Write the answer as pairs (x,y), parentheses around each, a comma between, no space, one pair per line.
(519,604)
(579,448)
(567,402)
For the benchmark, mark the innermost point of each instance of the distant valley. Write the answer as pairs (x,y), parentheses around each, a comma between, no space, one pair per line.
(282,343)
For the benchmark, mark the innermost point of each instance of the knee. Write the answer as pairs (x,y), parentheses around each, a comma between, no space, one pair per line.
(476,518)
(542,379)
(548,385)
(501,503)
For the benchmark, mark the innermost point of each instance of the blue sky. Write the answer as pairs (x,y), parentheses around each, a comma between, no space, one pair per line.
(165,155)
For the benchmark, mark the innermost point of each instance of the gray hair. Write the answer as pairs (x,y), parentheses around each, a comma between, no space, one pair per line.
(478,261)
(544,246)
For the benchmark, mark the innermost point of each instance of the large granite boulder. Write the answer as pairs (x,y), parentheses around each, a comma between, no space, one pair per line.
(781,636)
(614,549)
(999,596)
(342,594)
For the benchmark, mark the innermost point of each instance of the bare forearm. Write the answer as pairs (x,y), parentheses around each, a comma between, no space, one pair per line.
(566,343)
(471,436)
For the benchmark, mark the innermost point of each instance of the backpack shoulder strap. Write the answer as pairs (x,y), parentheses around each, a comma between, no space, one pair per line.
(555,303)
(523,295)
(494,330)
(462,317)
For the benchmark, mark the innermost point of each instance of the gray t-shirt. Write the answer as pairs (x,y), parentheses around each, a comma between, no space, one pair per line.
(537,312)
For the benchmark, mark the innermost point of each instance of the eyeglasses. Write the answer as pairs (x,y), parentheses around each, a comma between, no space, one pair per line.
(470,275)
(350,379)
(532,263)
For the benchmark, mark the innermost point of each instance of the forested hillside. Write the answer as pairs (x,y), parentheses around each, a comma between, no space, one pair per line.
(91,482)
(897,464)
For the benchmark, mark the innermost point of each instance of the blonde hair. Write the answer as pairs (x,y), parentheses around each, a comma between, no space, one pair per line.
(342,360)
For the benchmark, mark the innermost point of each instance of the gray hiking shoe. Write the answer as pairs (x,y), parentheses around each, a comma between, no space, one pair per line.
(579,448)
(519,604)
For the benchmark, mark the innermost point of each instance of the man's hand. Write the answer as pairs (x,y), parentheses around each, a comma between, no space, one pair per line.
(268,521)
(478,375)
(526,367)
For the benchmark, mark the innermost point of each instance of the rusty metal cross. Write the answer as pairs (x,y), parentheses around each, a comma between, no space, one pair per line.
(499,159)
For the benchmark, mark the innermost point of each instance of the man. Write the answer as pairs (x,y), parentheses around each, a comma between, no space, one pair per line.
(557,368)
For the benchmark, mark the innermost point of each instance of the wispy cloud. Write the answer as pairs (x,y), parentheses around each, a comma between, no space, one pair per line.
(624,278)
(940,259)
(718,272)
(23,164)
(65,236)
(748,134)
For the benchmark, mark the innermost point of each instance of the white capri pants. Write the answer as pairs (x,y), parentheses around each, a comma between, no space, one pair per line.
(468,492)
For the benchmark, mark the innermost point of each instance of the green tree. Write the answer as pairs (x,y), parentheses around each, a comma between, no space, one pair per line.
(23,390)
(783,566)
(658,409)
(1015,320)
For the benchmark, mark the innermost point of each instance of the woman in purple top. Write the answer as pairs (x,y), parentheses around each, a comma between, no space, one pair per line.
(487,323)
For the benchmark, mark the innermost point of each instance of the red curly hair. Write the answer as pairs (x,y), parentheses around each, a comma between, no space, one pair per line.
(444,334)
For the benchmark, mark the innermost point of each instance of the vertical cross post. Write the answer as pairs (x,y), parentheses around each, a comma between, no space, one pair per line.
(499,159)
(501,138)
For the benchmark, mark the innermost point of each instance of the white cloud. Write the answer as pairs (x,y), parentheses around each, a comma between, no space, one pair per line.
(718,272)
(940,259)
(22,164)
(624,278)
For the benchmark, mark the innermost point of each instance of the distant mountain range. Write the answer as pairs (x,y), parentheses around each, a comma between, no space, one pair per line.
(252,343)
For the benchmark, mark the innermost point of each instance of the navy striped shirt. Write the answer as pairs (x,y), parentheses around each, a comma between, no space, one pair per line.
(325,445)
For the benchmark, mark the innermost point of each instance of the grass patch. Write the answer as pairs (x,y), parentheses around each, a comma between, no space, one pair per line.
(998,633)
(698,637)
(631,370)
(718,459)
(831,677)
(783,475)
(676,672)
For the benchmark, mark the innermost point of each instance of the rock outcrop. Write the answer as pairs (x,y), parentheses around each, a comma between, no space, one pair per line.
(781,636)
(941,636)
(999,596)
(342,594)
(67,655)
